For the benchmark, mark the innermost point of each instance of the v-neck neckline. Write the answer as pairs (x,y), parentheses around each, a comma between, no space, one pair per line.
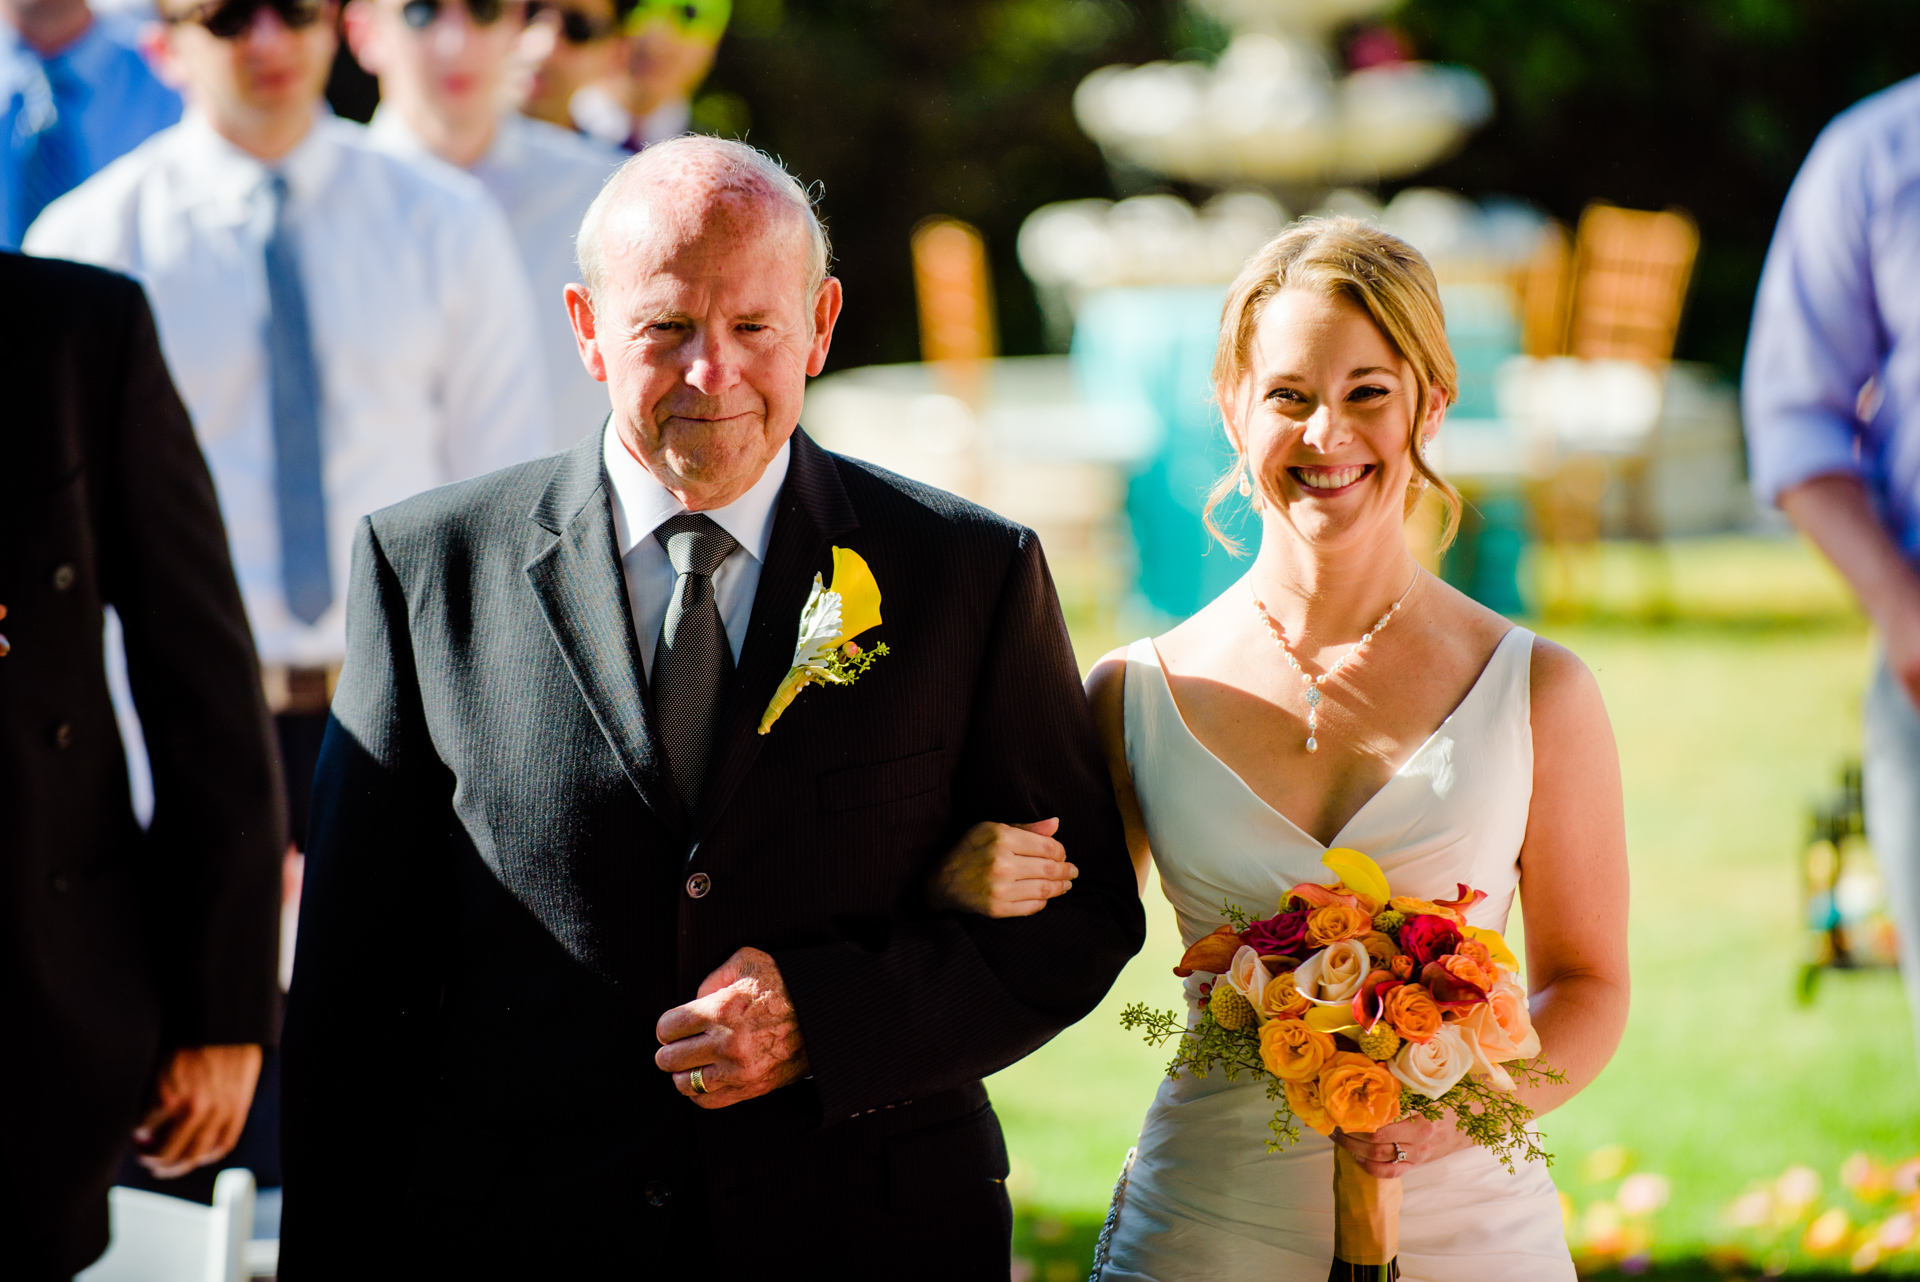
(1166,685)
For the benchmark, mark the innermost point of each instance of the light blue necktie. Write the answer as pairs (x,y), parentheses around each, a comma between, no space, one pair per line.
(295,382)
(53,161)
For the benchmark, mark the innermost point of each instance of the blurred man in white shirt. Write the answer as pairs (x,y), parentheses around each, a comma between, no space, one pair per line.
(444,67)
(670,49)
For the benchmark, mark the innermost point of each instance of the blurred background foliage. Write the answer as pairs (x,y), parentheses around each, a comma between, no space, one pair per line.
(906,108)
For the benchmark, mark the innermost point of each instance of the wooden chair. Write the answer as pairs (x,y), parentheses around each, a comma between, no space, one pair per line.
(1615,295)
(955,299)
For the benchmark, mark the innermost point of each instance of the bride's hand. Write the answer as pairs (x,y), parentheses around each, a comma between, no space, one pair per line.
(1003,870)
(1419,1139)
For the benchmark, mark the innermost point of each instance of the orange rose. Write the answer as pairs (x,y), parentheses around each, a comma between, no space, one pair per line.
(1412,1012)
(1468,971)
(1334,923)
(1359,1095)
(1380,947)
(1402,967)
(1481,955)
(1282,999)
(1304,1099)
(1409,905)
(1293,1052)
(1508,1002)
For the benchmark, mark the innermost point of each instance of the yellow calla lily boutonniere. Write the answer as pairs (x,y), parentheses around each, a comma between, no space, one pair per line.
(825,653)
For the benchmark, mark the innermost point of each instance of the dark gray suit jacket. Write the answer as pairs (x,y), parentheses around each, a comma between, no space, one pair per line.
(114,944)
(497,908)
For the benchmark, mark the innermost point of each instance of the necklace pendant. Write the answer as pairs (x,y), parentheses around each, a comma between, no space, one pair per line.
(1313,696)
(1313,745)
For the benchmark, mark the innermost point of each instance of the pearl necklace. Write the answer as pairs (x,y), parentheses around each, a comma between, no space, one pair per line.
(1313,684)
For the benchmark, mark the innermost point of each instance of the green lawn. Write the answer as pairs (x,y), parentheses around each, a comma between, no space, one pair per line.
(1733,712)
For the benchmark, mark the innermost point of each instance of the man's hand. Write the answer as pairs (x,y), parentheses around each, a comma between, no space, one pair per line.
(1838,514)
(740,1032)
(202,1103)
(1003,870)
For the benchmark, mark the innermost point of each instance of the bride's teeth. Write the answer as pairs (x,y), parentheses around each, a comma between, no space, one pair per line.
(1329,478)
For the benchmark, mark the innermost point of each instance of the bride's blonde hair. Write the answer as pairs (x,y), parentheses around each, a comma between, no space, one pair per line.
(1388,279)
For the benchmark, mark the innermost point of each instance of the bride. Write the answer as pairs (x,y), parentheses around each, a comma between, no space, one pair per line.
(1339,695)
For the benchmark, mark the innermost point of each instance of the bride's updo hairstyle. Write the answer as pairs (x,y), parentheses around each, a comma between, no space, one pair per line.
(1382,275)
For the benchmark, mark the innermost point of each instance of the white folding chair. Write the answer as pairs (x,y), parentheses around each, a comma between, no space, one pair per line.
(167,1239)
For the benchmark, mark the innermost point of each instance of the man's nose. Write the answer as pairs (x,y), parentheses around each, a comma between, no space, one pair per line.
(715,364)
(267,28)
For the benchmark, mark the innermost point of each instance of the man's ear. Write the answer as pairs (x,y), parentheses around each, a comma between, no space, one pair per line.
(586,331)
(156,46)
(826,311)
(358,20)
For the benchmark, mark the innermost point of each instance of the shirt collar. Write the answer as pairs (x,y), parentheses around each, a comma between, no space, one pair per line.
(227,173)
(506,151)
(641,503)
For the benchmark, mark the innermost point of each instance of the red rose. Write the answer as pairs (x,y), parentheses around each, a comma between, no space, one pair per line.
(1282,933)
(1428,938)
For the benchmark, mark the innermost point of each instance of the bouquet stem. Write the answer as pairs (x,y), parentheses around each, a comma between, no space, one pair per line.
(1366,1223)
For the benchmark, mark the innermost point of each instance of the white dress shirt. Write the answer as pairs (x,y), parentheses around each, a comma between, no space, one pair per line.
(641,504)
(420,313)
(544,178)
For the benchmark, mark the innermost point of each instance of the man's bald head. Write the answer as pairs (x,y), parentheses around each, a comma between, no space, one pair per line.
(685,186)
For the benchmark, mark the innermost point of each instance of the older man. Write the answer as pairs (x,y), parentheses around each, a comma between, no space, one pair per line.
(634,990)
(443,70)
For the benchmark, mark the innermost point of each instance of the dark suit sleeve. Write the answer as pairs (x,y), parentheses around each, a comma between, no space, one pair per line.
(367,976)
(212,868)
(955,997)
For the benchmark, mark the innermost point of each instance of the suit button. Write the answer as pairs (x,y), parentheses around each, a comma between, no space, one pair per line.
(59,884)
(63,576)
(698,885)
(63,735)
(657,1194)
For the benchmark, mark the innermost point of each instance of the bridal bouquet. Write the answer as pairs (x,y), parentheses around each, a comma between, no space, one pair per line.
(1362,1008)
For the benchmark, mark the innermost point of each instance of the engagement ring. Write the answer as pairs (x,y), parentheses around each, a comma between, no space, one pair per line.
(1399,1154)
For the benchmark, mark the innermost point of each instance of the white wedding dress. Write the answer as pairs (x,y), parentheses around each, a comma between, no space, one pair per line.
(1203,1199)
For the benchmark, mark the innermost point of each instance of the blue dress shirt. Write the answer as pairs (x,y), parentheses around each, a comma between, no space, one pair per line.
(120,102)
(1832,379)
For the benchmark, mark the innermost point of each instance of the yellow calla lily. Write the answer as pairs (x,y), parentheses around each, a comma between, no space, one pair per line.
(1359,873)
(1331,1019)
(859,595)
(1496,946)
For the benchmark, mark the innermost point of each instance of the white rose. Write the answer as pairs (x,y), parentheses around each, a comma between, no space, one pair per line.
(1248,975)
(1333,974)
(1433,1066)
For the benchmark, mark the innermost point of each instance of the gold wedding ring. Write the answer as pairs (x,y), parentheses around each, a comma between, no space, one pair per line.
(698,1080)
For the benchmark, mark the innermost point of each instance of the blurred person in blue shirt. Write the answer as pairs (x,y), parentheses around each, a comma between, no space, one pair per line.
(1831,397)
(444,68)
(77,96)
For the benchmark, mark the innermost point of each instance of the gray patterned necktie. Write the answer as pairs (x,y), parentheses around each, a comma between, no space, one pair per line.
(293,379)
(692,660)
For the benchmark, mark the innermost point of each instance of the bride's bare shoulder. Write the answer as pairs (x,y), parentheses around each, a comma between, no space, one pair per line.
(1564,693)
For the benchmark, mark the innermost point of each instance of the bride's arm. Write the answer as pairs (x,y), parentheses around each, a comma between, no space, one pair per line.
(1005,870)
(1573,890)
(1573,878)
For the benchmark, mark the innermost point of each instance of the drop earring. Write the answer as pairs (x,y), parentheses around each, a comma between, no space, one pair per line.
(1246,485)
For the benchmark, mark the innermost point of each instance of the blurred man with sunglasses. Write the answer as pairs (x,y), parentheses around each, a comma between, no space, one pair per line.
(573,43)
(346,330)
(670,49)
(444,67)
(75,94)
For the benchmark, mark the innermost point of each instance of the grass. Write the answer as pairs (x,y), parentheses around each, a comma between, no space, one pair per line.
(1733,678)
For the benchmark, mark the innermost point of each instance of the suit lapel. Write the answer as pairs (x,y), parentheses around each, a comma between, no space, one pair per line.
(814,510)
(581,588)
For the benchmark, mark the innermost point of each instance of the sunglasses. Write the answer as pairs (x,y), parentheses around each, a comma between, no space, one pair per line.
(703,18)
(577,28)
(227,19)
(421,14)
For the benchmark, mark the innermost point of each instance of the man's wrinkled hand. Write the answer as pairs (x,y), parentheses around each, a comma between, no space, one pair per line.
(740,1032)
(201,1104)
(1003,870)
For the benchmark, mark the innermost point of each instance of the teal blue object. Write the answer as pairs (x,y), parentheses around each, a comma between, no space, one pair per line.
(1153,348)
(1484,561)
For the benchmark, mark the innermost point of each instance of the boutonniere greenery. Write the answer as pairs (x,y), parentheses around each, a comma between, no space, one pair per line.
(826,654)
